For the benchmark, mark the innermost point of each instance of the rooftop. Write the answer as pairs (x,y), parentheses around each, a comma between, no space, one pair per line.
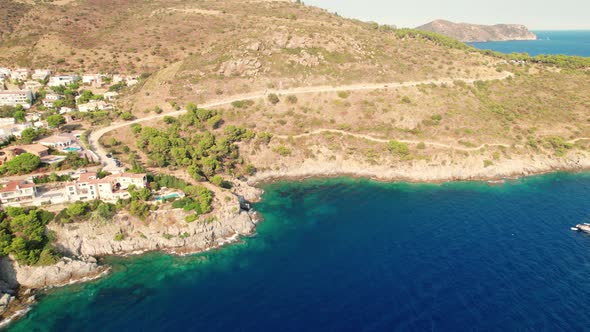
(33,148)
(132,175)
(15,185)
(55,139)
(85,177)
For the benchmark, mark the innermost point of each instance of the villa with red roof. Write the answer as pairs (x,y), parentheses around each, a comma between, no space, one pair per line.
(17,191)
(110,188)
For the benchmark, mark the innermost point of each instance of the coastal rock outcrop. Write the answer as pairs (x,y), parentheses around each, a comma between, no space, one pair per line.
(64,272)
(8,284)
(438,169)
(466,32)
(163,230)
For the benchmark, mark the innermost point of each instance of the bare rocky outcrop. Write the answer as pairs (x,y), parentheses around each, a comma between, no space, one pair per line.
(66,271)
(8,284)
(439,169)
(163,230)
(466,32)
(18,282)
(243,67)
(306,59)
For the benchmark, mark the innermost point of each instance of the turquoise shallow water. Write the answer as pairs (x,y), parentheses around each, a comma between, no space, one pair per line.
(550,42)
(356,255)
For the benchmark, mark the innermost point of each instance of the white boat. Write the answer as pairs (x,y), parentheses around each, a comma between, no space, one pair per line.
(575,229)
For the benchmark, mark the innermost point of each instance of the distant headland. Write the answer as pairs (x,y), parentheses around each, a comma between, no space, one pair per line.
(466,32)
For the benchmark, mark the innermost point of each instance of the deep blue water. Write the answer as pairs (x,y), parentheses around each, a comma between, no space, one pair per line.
(356,255)
(550,42)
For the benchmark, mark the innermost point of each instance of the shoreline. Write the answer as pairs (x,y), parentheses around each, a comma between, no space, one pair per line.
(271,177)
(258,182)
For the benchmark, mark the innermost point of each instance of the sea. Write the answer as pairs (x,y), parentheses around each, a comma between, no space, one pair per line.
(358,255)
(548,42)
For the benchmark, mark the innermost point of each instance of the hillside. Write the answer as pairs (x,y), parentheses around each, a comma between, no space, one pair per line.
(265,44)
(208,52)
(466,32)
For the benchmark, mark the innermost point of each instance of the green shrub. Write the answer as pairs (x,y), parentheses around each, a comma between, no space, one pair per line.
(399,148)
(139,209)
(242,103)
(282,150)
(264,137)
(21,164)
(291,99)
(273,99)
(215,121)
(343,94)
(127,116)
(24,236)
(48,256)
(191,218)
(558,144)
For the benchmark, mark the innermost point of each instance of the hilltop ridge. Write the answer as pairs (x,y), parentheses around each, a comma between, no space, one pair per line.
(466,32)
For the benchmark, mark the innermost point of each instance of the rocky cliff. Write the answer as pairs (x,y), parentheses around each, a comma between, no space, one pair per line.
(81,242)
(163,230)
(479,33)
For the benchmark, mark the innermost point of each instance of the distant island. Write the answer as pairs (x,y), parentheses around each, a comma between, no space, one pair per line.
(466,32)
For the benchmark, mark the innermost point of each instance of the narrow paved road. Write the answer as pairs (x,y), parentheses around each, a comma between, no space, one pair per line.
(109,164)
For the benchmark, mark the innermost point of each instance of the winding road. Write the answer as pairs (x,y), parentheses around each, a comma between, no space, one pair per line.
(110,165)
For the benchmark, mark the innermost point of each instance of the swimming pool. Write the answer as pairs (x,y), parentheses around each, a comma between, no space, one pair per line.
(72,149)
(165,197)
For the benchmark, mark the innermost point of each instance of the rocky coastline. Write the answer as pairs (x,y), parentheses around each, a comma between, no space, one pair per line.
(166,230)
(467,169)
(83,244)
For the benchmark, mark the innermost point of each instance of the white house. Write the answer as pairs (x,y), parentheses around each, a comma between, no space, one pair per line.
(20,74)
(95,106)
(65,110)
(32,117)
(109,188)
(50,99)
(94,79)
(17,191)
(62,80)
(111,95)
(56,141)
(41,74)
(16,129)
(117,79)
(131,80)
(33,85)
(16,97)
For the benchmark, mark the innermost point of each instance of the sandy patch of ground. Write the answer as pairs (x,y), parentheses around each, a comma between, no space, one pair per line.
(186,11)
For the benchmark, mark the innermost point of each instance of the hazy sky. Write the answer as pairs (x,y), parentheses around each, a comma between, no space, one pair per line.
(535,14)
